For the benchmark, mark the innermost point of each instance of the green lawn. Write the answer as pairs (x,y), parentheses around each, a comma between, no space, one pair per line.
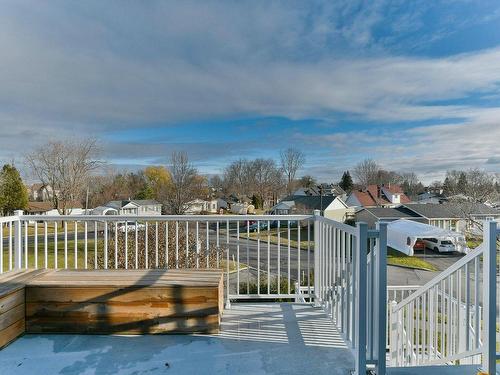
(284,240)
(397,258)
(232,265)
(60,254)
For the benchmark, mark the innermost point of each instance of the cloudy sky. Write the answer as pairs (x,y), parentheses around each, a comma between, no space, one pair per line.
(412,84)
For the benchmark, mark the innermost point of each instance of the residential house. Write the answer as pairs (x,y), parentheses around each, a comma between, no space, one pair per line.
(460,217)
(332,207)
(372,215)
(242,208)
(138,207)
(430,197)
(211,206)
(47,208)
(323,189)
(378,196)
(39,192)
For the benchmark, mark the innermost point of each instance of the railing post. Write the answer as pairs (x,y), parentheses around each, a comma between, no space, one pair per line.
(18,241)
(394,328)
(317,244)
(489,297)
(361,305)
(381,298)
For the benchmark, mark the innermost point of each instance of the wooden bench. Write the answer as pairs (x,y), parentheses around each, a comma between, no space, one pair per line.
(110,301)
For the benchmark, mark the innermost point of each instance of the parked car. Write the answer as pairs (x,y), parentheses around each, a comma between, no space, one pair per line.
(439,245)
(419,245)
(130,226)
(262,225)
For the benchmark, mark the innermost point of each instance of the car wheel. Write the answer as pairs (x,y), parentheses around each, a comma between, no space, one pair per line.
(436,249)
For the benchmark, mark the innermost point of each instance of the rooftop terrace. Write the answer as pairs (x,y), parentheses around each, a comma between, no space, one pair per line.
(263,338)
(202,276)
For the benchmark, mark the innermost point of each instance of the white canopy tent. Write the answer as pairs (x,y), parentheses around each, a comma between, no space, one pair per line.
(402,235)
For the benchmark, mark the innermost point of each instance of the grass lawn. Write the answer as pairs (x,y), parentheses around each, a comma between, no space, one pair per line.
(40,229)
(80,257)
(284,240)
(397,258)
(473,243)
(232,265)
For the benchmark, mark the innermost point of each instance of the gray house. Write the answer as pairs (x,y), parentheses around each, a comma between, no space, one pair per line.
(371,215)
(460,217)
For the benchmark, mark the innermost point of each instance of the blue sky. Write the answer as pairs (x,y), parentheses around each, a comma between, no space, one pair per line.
(412,84)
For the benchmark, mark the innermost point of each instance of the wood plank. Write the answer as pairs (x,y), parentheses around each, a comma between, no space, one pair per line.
(19,280)
(129,278)
(143,295)
(10,333)
(158,325)
(11,300)
(134,312)
(11,316)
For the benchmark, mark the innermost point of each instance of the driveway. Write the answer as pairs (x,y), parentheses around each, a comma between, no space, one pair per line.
(441,260)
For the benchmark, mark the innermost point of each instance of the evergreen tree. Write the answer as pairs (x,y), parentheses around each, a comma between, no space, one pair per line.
(447,187)
(462,183)
(13,193)
(346,182)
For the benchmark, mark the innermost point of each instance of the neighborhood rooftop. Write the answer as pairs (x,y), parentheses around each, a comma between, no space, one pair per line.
(452,210)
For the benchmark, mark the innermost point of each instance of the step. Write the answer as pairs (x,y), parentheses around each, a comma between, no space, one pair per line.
(434,370)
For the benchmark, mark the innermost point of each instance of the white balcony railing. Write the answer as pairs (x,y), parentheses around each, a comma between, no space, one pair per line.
(293,257)
(452,318)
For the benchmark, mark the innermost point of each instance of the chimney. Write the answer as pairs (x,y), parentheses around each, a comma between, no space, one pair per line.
(378,191)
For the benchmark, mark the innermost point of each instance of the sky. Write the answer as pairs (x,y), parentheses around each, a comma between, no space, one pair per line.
(414,85)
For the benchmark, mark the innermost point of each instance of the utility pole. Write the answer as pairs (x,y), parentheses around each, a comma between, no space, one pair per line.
(87,202)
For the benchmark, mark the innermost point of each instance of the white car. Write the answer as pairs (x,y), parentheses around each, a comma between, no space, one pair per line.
(130,226)
(442,246)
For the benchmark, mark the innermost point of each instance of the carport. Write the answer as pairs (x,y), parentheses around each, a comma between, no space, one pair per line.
(402,235)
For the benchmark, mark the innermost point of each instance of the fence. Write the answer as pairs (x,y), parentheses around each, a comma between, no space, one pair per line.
(451,319)
(280,257)
(350,284)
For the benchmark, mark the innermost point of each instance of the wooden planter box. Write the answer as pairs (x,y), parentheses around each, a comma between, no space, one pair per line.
(112,301)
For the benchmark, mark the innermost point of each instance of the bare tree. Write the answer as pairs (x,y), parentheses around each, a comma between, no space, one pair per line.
(267,179)
(467,190)
(65,167)
(186,184)
(237,177)
(291,161)
(411,185)
(367,172)
(473,185)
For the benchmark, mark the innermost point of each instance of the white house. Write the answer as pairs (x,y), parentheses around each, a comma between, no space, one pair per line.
(137,207)
(212,206)
(40,192)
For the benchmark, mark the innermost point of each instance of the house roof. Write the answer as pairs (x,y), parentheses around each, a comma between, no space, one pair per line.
(392,213)
(145,202)
(47,206)
(374,195)
(37,186)
(138,202)
(451,210)
(39,206)
(323,189)
(310,202)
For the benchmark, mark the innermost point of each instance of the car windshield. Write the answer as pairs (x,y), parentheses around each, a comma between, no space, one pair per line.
(446,243)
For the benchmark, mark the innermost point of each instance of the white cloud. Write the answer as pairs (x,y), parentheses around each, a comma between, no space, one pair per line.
(95,67)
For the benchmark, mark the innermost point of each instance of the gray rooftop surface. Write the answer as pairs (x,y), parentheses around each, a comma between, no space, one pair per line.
(271,338)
